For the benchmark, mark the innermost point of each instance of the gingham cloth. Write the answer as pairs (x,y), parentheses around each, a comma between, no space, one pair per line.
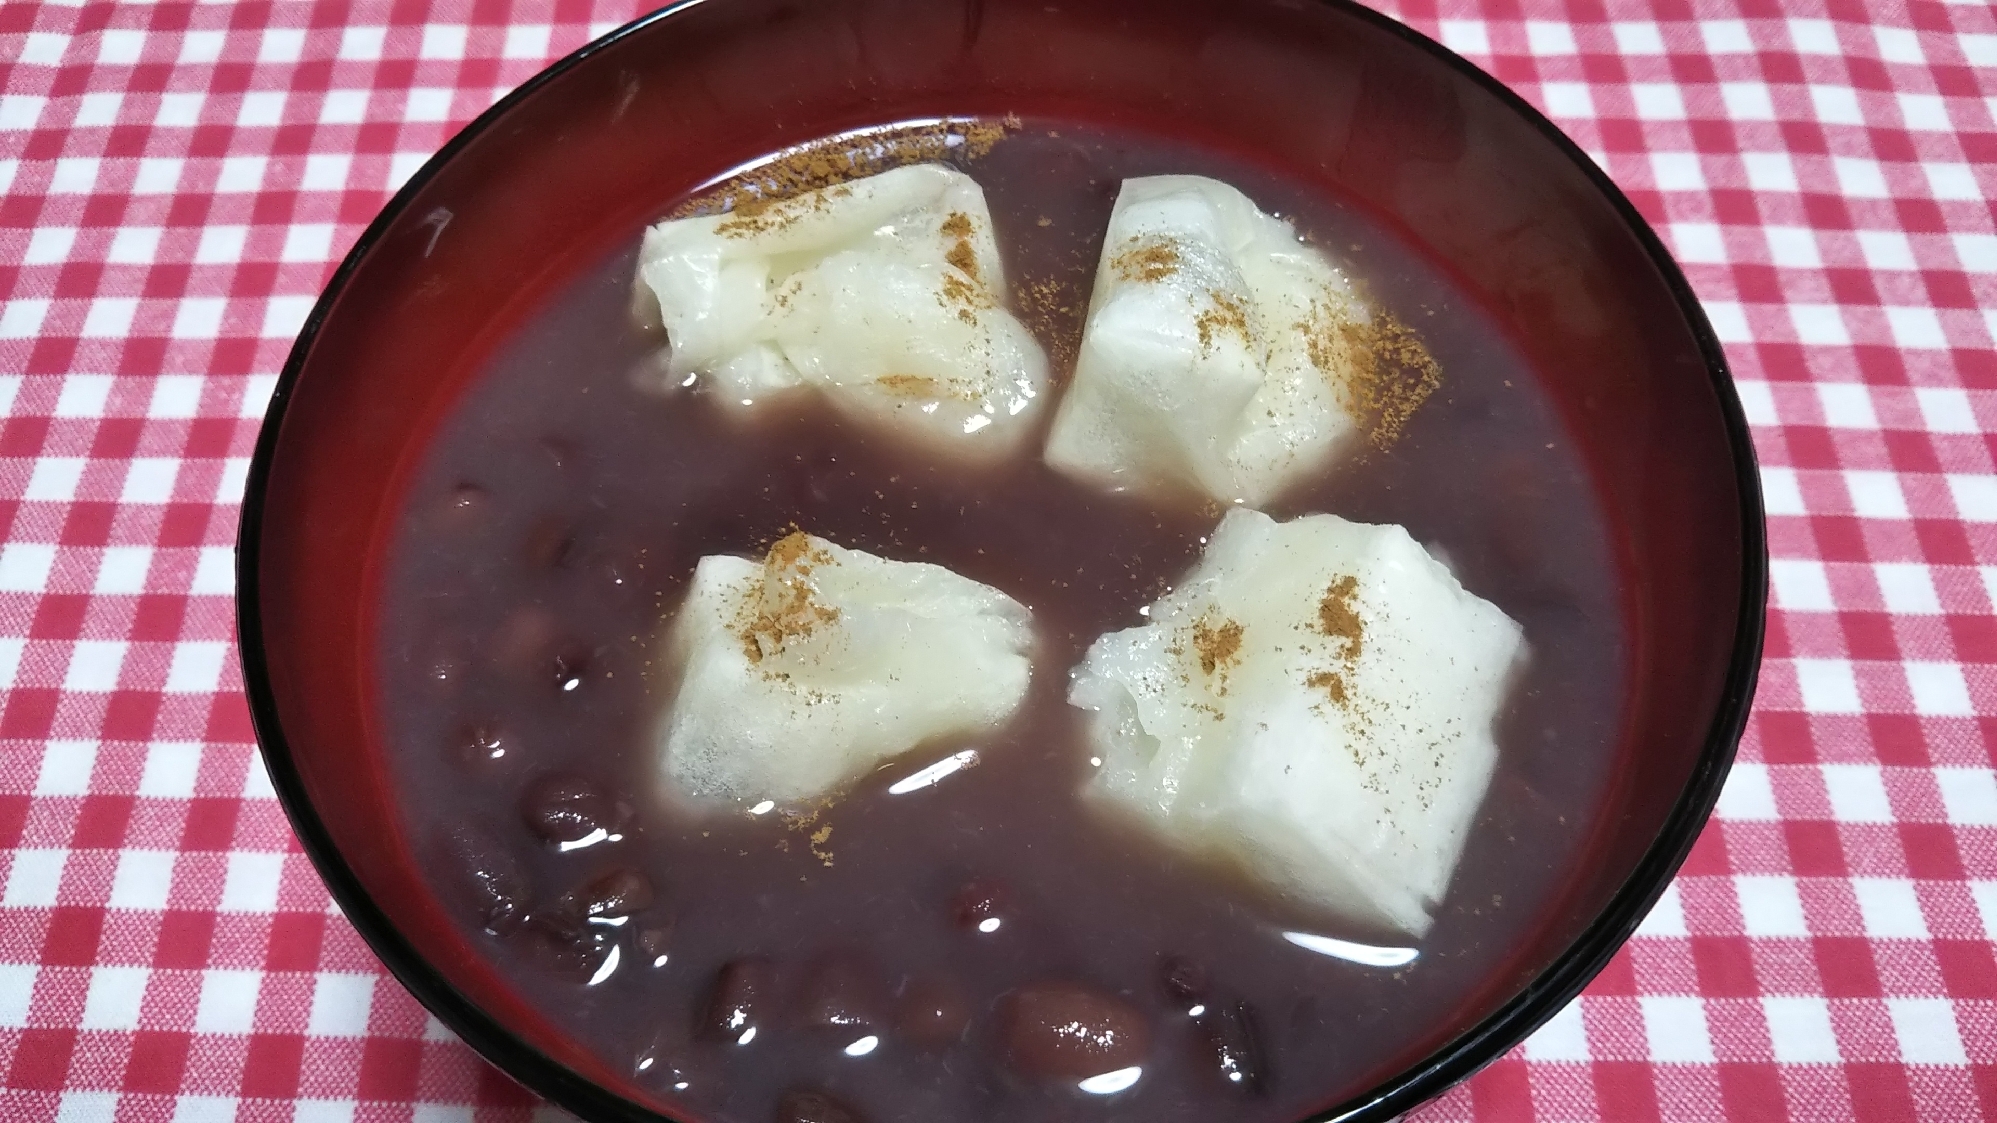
(179,179)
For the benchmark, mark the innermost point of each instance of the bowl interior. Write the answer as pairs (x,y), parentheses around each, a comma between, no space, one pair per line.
(1322,92)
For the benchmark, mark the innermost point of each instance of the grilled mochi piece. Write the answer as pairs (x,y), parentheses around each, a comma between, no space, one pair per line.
(882,293)
(804,669)
(1222,356)
(1313,704)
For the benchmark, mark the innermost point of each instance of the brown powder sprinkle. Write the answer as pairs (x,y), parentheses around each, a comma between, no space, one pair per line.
(793,549)
(1148,262)
(965,294)
(805,821)
(1226,313)
(1336,618)
(767,624)
(958,227)
(1332,683)
(837,160)
(960,255)
(1324,341)
(909,385)
(1394,376)
(1381,366)
(766,216)
(1052,309)
(979,136)
(1217,645)
(921,387)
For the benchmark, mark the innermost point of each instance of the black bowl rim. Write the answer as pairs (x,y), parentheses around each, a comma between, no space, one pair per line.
(1484,1042)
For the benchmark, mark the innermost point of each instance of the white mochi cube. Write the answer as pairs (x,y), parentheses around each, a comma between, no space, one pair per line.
(1218,355)
(804,669)
(1313,704)
(882,293)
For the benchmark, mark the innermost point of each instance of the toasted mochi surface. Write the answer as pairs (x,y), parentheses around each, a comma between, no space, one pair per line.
(1313,704)
(882,293)
(802,670)
(1217,355)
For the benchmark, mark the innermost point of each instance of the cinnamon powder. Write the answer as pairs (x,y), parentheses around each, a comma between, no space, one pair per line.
(1151,261)
(1217,645)
(767,624)
(1224,314)
(1380,365)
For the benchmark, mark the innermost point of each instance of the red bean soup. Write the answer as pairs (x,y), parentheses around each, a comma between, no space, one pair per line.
(961,950)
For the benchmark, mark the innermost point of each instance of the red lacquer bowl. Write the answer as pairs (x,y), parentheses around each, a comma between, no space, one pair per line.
(1327,92)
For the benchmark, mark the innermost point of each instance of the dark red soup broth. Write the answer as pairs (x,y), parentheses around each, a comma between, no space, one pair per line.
(549,533)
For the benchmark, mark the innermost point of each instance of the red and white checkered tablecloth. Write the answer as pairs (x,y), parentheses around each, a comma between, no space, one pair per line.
(178,180)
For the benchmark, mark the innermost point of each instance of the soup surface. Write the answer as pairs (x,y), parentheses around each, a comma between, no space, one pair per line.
(549,532)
